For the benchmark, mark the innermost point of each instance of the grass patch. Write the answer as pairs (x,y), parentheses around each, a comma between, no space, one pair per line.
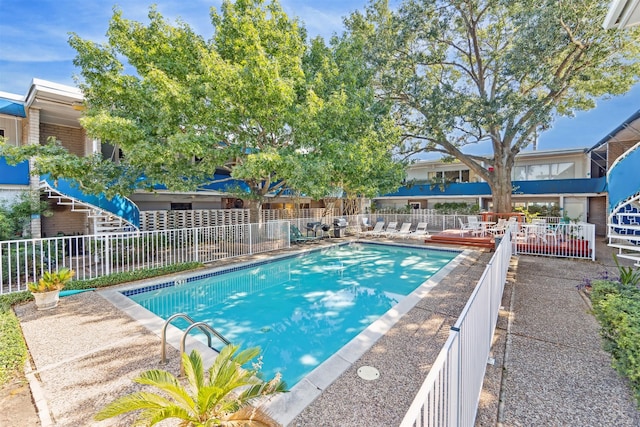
(13,350)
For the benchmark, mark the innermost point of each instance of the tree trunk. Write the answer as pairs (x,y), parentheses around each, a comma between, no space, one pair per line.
(255,211)
(501,189)
(351,206)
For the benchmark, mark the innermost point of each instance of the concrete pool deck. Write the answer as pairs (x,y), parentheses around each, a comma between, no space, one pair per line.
(85,353)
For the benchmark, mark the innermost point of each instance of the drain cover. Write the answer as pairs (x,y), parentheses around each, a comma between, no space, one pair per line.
(368,373)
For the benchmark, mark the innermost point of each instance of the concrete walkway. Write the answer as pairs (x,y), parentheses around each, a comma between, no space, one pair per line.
(86,352)
(555,371)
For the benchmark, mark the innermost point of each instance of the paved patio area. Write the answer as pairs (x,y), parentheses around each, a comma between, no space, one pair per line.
(86,352)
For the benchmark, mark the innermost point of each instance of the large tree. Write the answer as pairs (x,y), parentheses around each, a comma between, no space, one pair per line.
(350,135)
(254,101)
(192,106)
(463,72)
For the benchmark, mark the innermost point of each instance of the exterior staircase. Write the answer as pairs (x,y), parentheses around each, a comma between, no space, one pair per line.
(624,205)
(117,215)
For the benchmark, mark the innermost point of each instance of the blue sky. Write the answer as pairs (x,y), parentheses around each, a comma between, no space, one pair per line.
(34,33)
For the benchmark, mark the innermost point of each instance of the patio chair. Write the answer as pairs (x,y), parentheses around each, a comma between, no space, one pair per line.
(420,232)
(404,231)
(500,228)
(378,229)
(473,228)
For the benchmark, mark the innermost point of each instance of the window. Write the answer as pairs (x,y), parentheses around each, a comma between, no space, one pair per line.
(450,176)
(181,206)
(520,173)
(2,132)
(562,171)
(543,171)
(537,172)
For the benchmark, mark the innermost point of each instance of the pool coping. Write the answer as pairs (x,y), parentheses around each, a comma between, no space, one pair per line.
(285,407)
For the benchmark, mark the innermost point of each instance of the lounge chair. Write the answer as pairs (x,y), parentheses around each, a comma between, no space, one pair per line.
(296,236)
(404,231)
(420,232)
(392,228)
(378,229)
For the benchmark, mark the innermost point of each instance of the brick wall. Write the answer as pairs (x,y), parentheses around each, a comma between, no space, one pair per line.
(64,221)
(72,138)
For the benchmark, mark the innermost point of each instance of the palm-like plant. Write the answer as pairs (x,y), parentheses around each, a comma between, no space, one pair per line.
(221,398)
(52,281)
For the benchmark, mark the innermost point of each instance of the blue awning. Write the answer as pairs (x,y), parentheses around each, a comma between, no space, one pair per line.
(12,108)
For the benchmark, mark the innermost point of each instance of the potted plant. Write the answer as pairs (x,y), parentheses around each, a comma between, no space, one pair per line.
(46,291)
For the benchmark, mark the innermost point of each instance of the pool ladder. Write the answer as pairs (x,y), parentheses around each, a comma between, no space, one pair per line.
(204,328)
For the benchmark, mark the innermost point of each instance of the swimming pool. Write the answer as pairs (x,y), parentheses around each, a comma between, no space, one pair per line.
(301,309)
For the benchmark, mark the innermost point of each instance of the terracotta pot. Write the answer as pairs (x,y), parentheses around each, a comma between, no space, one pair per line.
(46,300)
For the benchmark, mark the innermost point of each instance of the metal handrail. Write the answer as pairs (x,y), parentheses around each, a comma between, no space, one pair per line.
(205,328)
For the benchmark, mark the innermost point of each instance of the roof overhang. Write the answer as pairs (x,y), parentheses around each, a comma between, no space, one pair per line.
(626,131)
(622,14)
(58,104)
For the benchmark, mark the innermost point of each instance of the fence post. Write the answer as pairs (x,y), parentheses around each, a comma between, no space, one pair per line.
(456,398)
(107,255)
(196,256)
(250,239)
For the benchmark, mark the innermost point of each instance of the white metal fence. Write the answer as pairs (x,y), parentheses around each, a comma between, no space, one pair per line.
(92,256)
(451,392)
(574,240)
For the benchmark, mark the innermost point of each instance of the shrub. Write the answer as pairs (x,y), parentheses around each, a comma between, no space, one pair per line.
(16,217)
(617,308)
(220,395)
(456,208)
(130,276)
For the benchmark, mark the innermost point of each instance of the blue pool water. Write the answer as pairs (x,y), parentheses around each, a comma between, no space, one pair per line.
(300,310)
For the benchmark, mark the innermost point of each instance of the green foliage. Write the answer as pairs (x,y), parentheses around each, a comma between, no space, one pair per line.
(349,137)
(528,215)
(628,275)
(543,210)
(16,217)
(461,73)
(130,276)
(216,397)
(52,280)
(8,300)
(457,208)
(254,101)
(617,308)
(13,350)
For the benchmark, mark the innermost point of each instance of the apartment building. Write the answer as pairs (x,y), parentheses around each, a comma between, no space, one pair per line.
(563,179)
(572,180)
(53,110)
